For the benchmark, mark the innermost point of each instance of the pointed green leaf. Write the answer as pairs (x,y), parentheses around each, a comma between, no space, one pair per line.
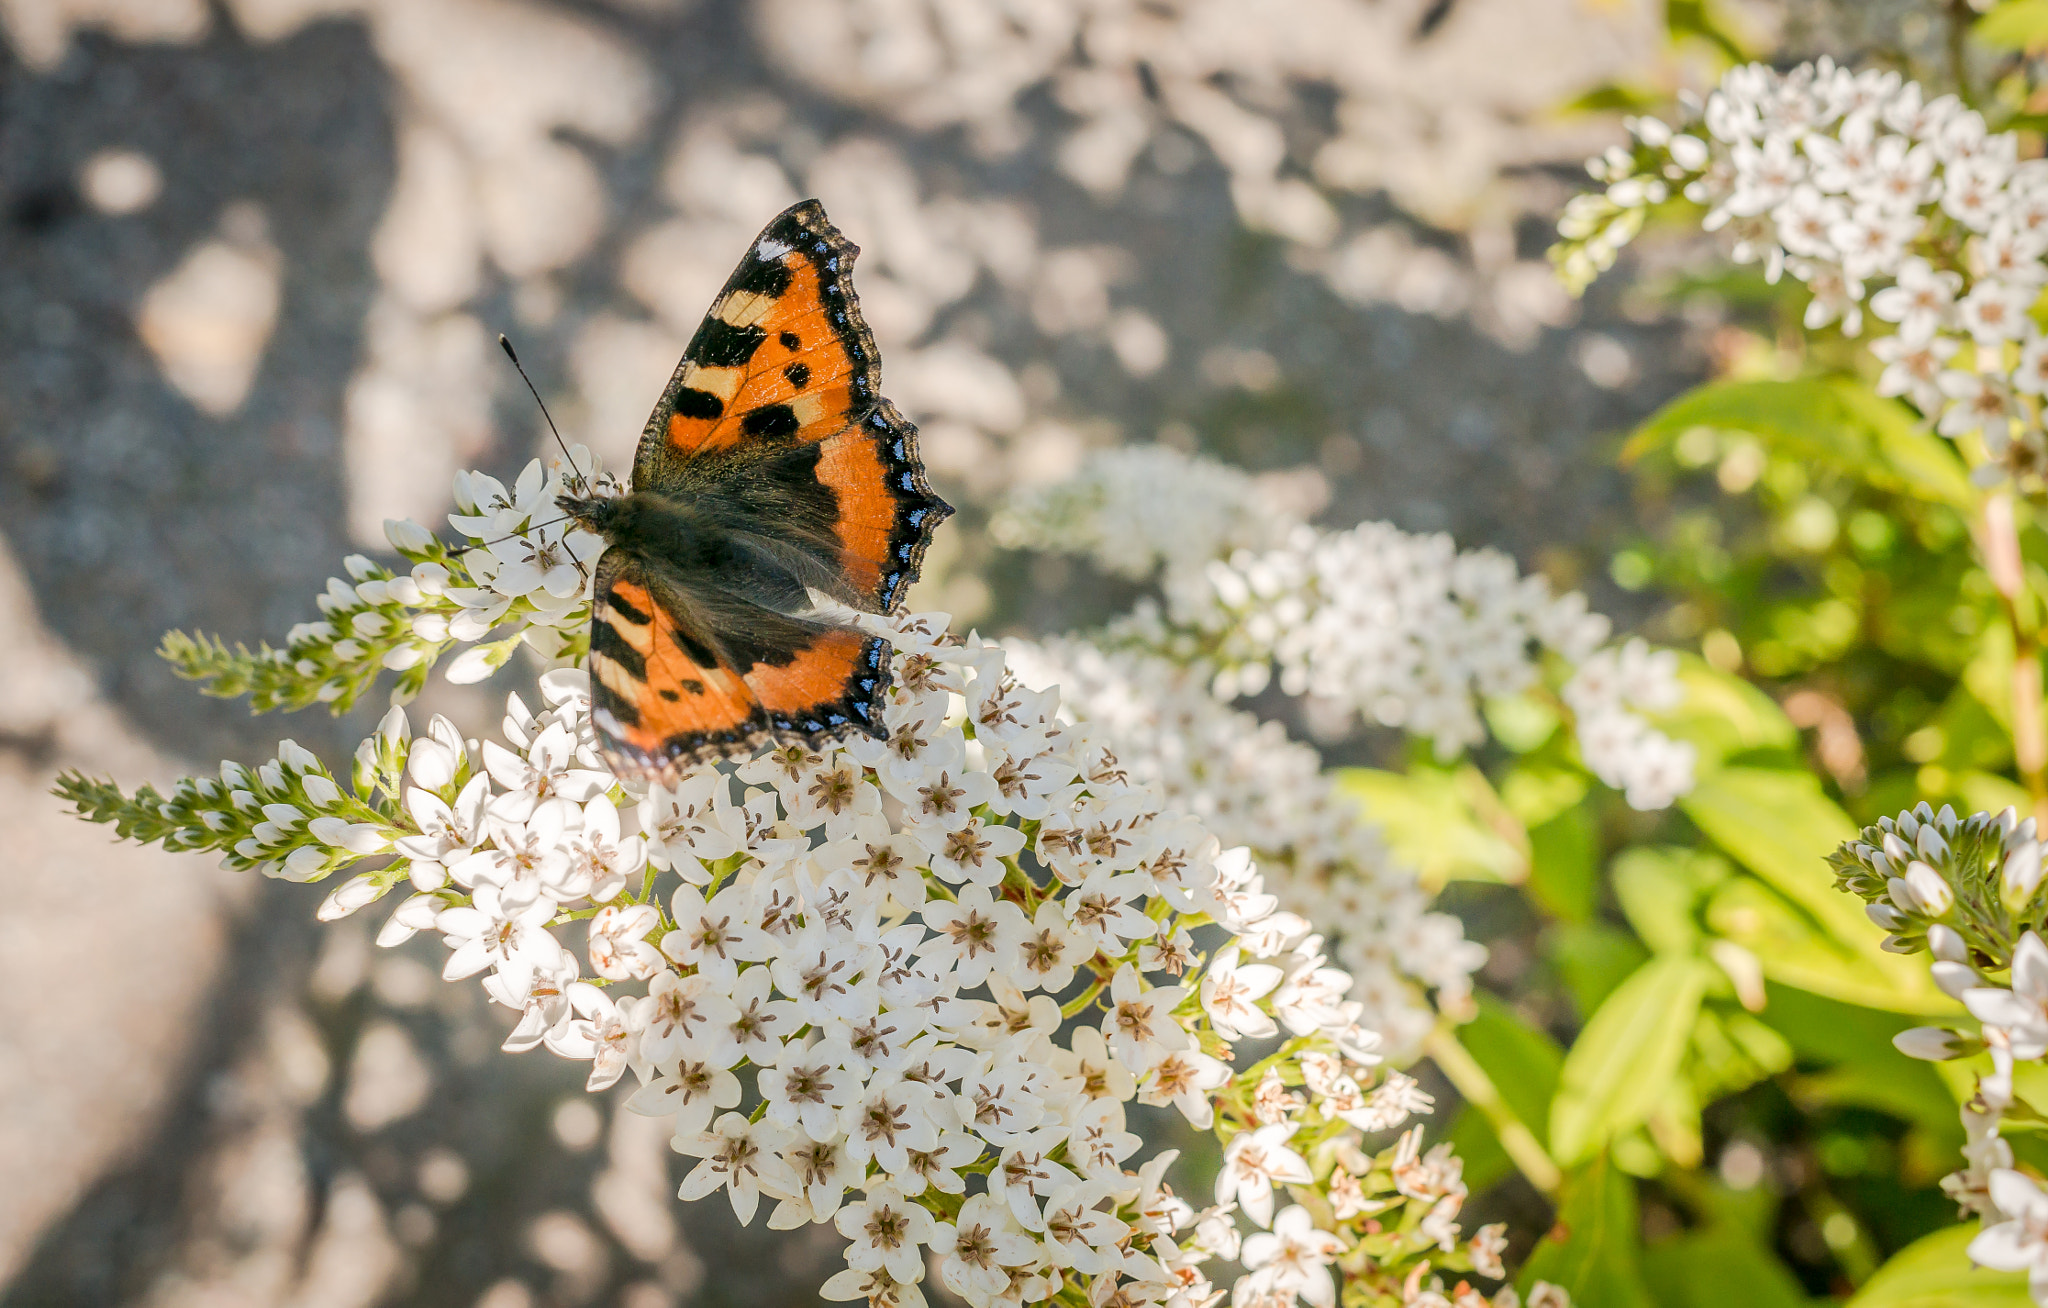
(1836,422)
(1780,825)
(1446,824)
(1594,1253)
(1718,1268)
(1795,951)
(1626,1056)
(2014,25)
(1934,1273)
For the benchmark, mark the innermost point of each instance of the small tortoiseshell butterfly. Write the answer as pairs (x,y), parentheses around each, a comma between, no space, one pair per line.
(771,469)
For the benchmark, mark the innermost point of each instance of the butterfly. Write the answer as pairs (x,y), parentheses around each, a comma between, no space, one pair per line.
(771,474)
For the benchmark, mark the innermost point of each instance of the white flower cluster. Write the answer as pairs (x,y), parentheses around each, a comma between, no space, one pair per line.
(1251,785)
(523,553)
(1966,890)
(1400,629)
(1136,508)
(1608,695)
(938,966)
(1872,193)
(520,564)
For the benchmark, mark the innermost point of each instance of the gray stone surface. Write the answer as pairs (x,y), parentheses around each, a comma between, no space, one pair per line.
(211,1100)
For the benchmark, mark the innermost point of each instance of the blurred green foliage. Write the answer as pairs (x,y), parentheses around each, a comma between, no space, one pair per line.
(1682,1009)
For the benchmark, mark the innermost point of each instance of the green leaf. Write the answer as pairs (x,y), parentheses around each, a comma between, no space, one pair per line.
(1723,715)
(1718,1268)
(1564,865)
(1934,1273)
(1835,422)
(1626,1056)
(1779,825)
(1827,1031)
(2014,25)
(1536,791)
(1523,1062)
(1911,1092)
(1594,1252)
(1594,958)
(1663,891)
(1795,951)
(1447,824)
(1473,1139)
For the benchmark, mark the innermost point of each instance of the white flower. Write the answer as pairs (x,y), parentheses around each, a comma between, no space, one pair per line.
(690,1093)
(1805,220)
(1294,1257)
(1140,1027)
(2022,1011)
(1078,1234)
(809,1087)
(1913,368)
(977,1247)
(2020,1242)
(972,932)
(825,1171)
(491,933)
(1921,302)
(1995,312)
(888,1233)
(713,936)
(1256,1161)
(972,851)
(1184,1079)
(889,1119)
(740,1156)
(618,945)
(1978,402)
(685,1016)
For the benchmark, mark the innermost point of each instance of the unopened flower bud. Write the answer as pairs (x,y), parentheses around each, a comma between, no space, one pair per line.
(1932,1044)
(351,895)
(1934,894)
(430,765)
(407,536)
(1954,978)
(321,790)
(305,863)
(2021,873)
(1946,944)
(1930,844)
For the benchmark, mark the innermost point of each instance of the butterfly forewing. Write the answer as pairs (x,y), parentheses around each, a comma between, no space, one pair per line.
(774,433)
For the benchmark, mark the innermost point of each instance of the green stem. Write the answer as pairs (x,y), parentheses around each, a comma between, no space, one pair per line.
(1081,1001)
(1471,1080)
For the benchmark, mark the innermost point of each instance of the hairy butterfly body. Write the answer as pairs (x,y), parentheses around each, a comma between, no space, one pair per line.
(771,472)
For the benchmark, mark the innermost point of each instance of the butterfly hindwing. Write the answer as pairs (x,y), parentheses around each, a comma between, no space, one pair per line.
(791,474)
(659,694)
(667,692)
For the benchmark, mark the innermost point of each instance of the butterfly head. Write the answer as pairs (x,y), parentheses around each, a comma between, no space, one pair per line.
(665,525)
(599,513)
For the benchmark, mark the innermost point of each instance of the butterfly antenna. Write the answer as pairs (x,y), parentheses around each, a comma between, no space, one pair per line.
(531,526)
(580,482)
(505,344)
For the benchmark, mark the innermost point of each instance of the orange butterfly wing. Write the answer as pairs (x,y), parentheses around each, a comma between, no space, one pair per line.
(783,360)
(658,702)
(776,402)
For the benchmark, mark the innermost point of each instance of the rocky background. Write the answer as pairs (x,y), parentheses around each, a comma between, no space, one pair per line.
(252,256)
